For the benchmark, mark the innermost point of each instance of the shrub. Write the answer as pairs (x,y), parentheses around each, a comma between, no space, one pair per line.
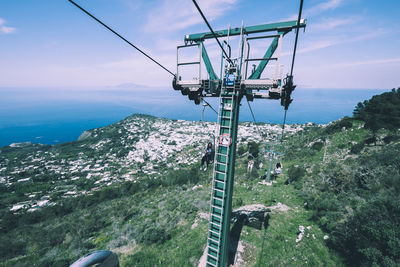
(154,235)
(241,150)
(295,174)
(370,140)
(317,146)
(355,149)
(346,123)
(372,236)
(254,148)
(391,138)
(237,202)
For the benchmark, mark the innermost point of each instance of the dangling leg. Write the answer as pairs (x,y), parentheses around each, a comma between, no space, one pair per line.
(207,161)
(203,159)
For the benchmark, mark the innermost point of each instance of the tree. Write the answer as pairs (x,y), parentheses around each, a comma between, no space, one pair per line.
(381,111)
(254,148)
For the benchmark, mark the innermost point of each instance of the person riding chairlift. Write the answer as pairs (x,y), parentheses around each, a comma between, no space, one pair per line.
(278,169)
(207,157)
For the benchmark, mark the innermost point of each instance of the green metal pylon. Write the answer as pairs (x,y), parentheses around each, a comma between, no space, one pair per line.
(224,168)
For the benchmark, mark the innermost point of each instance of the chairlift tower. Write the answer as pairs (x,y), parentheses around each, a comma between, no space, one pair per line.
(234,84)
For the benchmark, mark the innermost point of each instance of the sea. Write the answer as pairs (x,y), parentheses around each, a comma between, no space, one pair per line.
(60,114)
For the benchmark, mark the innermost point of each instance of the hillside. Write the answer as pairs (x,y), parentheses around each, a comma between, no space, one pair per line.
(41,183)
(336,203)
(135,148)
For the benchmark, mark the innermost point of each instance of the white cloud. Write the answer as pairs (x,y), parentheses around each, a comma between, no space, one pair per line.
(367,62)
(331,23)
(5,29)
(180,14)
(317,9)
(324,6)
(338,40)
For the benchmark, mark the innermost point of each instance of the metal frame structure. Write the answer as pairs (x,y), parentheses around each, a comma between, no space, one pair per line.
(249,85)
(274,150)
(231,88)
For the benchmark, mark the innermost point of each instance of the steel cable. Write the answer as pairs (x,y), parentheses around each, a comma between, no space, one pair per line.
(137,48)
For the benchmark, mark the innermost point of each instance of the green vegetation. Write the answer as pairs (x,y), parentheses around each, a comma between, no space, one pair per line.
(340,182)
(151,222)
(150,214)
(381,111)
(353,186)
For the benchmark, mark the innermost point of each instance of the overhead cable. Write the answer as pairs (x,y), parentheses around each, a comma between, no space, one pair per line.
(297,35)
(291,69)
(283,126)
(254,118)
(208,104)
(209,26)
(137,48)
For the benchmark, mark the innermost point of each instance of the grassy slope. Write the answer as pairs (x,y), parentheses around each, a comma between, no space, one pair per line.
(124,223)
(276,245)
(119,224)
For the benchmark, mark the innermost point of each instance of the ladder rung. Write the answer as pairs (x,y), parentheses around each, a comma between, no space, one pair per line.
(214,258)
(221,154)
(225,117)
(216,224)
(219,190)
(213,206)
(224,145)
(219,225)
(216,233)
(217,242)
(218,217)
(216,228)
(224,173)
(210,263)
(220,181)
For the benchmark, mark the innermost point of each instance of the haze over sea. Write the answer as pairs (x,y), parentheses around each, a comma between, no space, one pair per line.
(57,115)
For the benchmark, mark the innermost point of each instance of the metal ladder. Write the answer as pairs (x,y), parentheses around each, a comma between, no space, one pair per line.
(220,171)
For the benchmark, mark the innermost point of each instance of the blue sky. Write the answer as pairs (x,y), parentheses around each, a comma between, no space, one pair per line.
(50,43)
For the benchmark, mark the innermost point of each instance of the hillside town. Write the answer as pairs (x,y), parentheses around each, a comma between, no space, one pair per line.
(135,147)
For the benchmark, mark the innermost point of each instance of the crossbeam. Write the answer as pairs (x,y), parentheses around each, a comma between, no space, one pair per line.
(278,26)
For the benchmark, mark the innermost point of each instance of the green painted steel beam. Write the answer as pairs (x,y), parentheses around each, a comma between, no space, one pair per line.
(207,64)
(227,210)
(261,66)
(278,26)
(231,170)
